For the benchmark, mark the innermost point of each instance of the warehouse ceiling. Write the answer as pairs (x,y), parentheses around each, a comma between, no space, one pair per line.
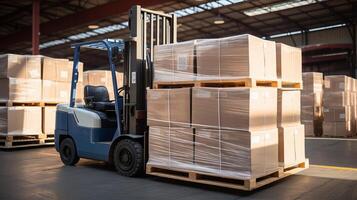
(70,21)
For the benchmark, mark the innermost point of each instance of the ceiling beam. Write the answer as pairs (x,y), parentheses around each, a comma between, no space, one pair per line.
(77,19)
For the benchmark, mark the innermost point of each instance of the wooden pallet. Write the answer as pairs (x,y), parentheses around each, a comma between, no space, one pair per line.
(290,85)
(243,82)
(210,179)
(18,141)
(19,103)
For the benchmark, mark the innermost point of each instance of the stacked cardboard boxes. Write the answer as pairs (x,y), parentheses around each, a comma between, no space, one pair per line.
(338,106)
(291,131)
(20,81)
(226,131)
(103,78)
(311,103)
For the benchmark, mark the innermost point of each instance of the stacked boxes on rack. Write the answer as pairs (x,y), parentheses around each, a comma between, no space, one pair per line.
(291,131)
(20,81)
(339,106)
(225,130)
(103,78)
(311,103)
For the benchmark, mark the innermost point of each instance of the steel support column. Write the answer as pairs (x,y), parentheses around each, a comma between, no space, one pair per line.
(35,27)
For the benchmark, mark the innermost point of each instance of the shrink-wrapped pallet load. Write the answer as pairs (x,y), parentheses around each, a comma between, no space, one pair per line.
(311,103)
(338,106)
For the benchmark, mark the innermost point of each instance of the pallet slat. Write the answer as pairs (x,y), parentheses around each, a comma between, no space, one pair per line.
(17,141)
(209,179)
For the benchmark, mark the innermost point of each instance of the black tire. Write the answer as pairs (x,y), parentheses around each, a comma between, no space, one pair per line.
(68,152)
(128,158)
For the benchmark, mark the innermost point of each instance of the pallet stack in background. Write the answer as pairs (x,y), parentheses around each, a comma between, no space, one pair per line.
(339,106)
(311,103)
(31,87)
(102,78)
(291,131)
(215,107)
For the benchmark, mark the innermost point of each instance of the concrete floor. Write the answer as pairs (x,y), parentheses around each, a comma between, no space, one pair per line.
(38,173)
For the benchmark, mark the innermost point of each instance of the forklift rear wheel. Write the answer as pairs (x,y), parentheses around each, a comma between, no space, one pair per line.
(128,158)
(68,152)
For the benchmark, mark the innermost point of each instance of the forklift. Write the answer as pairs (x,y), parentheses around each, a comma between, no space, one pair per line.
(115,131)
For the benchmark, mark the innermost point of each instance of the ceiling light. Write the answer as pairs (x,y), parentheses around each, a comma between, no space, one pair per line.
(93,26)
(218,20)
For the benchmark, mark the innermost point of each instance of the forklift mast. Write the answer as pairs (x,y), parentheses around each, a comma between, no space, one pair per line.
(147,28)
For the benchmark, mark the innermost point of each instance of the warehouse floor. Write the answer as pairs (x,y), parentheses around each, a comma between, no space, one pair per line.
(38,173)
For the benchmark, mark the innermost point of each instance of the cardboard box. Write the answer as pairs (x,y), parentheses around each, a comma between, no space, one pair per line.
(313,128)
(234,108)
(312,82)
(56,92)
(55,69)
(337,114)
(337,83)
(238,56)
(289,63)
(242,155)
(337,99)
(309,113)
(48,120)
(289,107)
(291,145)
(169,107)
(164,62)
(21,90)
(339,129)
(102,78)
(171,146)
(20,120)
(20,66)
(184,60)
(63,92)
(311,99)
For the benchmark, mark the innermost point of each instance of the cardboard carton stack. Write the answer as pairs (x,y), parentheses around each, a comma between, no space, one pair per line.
(338,106)
(103,78)
(311,103)
(291,131)
(226,131)
(20,81)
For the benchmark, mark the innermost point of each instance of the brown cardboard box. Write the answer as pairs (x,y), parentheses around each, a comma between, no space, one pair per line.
(183,60)
(19,89)
(289,107)
(20,66)
(60,70)
(309,128)
(159,152)
(56,92)
(236,108)
(289,63)
(102,78)
(243,154)
(311,99)
(237,56)
(291,145)
(164,62)
(337,83)
(312,82)
(181,147)
(336,99)
(48,119)
(339,129)
(20,120)
(309,113)
(169,107)
(337,114)
(63,92)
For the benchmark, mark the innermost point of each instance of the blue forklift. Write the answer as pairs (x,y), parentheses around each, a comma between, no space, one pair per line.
(115,131)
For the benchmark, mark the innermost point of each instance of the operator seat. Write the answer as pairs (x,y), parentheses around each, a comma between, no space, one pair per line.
(96,99)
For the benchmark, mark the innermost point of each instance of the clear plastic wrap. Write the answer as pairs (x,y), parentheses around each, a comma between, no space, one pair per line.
(288,63)
(338,83)
(289,107)
(20,66)
(102,78)
(291,145)
(20,120)
(19,89)
(57,92)
(225,153)
(337,98)
(242,56)
(312,82)
(59,70)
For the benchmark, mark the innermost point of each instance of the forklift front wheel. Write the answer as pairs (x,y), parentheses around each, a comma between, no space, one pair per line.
(68,152)
(128,158)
